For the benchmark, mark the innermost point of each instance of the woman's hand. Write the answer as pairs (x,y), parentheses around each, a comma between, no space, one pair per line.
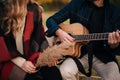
(63,36)
(114,39)
(29,67)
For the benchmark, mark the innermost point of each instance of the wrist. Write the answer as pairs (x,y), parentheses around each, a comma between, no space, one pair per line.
(18,61)
(58,31)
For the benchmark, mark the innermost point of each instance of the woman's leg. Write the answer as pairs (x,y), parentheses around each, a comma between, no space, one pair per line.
(50,73)
(45,73)
(34,76)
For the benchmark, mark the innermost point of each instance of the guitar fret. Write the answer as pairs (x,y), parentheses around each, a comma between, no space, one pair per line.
(93,36)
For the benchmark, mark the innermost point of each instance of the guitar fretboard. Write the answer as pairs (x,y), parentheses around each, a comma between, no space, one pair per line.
(92,37)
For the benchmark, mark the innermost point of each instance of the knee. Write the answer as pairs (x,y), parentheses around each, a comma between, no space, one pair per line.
(68,70)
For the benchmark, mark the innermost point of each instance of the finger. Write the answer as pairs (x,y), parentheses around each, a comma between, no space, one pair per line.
(114,40)
(32,65)
(110,38)
(67,41)
(31,70)
(118,35)
(71,39)
(29,67)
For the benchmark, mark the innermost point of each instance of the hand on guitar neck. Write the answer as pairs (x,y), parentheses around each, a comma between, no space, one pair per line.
(64,36)
(114,39)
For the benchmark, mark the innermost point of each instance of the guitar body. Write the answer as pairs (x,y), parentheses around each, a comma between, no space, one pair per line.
(75,29)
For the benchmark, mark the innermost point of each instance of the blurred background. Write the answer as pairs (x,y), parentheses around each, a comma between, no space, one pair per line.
(56,4)
(51,6)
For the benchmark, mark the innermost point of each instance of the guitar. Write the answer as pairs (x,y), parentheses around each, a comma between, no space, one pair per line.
(82,37)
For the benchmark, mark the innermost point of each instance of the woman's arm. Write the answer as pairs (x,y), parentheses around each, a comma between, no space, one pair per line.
(7,52)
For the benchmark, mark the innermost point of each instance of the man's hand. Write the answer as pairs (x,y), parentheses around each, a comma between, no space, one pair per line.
(114,39)
(64,36)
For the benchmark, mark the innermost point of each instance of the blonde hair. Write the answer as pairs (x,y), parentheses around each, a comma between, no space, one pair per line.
(14,12)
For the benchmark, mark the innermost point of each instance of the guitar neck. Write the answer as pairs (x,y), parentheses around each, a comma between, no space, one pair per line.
(92,37)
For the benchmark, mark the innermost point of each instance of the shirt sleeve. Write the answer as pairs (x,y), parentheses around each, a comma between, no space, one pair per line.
(18,61)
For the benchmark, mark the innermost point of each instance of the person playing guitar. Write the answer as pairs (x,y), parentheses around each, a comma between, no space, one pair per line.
(98,17)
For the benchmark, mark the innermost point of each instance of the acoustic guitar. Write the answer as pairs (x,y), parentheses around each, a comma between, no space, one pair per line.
(82,37)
